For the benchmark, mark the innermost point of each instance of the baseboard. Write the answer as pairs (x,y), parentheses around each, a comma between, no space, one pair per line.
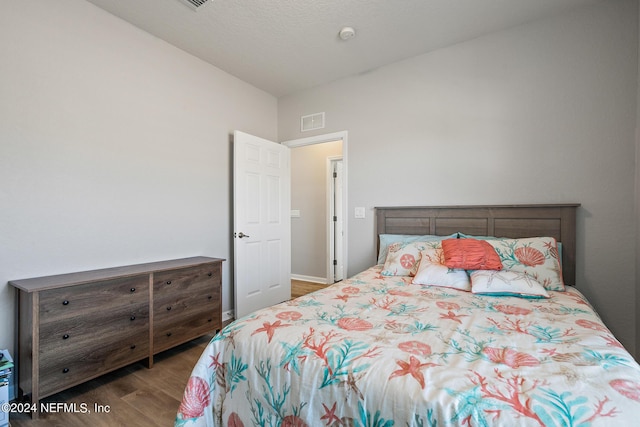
(321,280)
(227,315)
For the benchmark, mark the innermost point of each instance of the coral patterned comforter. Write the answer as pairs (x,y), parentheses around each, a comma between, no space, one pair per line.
(379,351)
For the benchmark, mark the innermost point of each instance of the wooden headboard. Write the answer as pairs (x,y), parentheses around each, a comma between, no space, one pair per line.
(513,221)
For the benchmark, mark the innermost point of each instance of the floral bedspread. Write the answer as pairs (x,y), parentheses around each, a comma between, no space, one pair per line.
(379,351)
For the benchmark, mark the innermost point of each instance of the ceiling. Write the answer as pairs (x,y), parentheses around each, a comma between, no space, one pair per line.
(283,46)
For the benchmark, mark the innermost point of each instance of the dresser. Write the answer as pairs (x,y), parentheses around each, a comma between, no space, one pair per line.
(75,327)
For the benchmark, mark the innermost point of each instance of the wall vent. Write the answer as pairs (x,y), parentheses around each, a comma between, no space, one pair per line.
(311,122)
(195,4)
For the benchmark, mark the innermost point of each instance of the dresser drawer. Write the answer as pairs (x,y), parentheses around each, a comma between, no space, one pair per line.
(172,283)
(101,328)
(170,334)
(88,299)
(186,303)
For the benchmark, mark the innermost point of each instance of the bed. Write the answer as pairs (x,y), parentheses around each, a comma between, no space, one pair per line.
(380,349)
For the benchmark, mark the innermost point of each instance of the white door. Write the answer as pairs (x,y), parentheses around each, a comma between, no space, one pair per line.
(262,223)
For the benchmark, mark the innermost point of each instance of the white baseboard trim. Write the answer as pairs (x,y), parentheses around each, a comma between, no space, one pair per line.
(321,280)
(227,315)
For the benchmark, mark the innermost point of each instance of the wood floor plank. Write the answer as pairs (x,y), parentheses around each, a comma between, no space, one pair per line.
(153,404)
(300,287)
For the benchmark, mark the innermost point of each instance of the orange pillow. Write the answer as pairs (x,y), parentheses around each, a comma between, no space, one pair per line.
(470,254)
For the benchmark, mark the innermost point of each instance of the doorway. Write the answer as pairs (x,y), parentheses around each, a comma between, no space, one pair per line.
(318,208)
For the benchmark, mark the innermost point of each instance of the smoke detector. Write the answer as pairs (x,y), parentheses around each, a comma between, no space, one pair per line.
(347,33)
(195,4)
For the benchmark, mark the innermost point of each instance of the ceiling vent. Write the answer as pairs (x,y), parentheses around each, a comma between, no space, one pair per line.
(195,4)
(312,122)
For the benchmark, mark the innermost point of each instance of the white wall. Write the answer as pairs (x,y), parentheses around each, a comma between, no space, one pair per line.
(114,146)
(540,113)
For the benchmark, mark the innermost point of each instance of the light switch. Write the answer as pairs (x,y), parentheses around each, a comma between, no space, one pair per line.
(295,213)
(359,212)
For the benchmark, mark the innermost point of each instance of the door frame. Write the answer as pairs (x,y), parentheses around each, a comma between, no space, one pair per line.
(333,238)
(319,139)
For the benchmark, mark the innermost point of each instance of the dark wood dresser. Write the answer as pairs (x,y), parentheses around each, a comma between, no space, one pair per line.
(74,327)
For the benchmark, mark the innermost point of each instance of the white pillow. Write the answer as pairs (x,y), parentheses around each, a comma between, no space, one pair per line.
(432,271)
(537,256)
(506,283)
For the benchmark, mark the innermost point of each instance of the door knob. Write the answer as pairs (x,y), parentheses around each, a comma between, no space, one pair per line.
(241,235)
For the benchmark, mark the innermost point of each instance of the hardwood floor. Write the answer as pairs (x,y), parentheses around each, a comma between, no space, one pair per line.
(299,287)
(133,395)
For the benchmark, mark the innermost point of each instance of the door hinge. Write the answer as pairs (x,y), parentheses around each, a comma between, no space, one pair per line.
(335,262)
(335,174)
(335,218)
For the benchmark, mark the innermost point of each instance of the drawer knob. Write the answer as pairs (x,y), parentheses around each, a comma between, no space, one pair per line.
(168,282)
(209,320)
(65,302)
(209,297)
(133,289)
(169,308)
(65,337)
(133,347)
(65,370)
(168,334)
(210,274)
(133,318)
